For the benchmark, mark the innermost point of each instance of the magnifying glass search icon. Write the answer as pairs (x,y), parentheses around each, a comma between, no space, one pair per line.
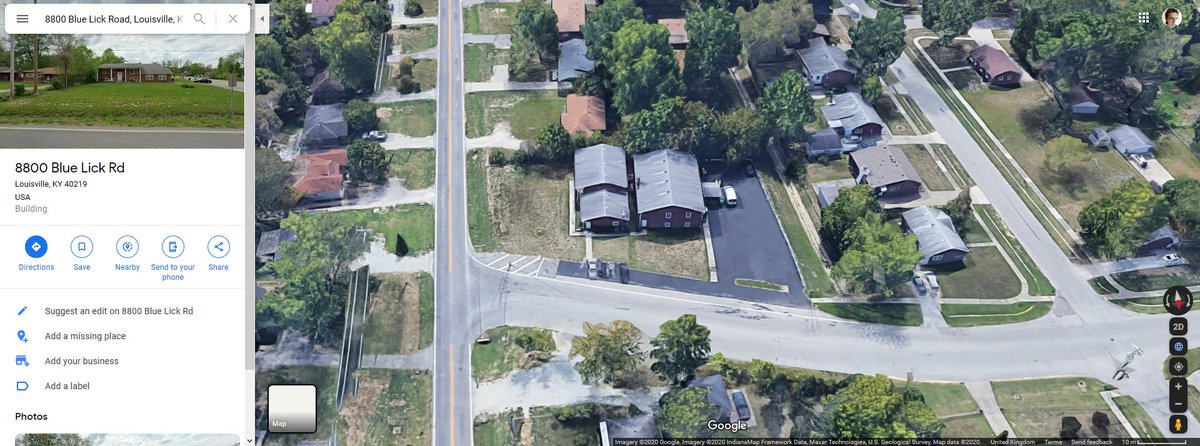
(199,18)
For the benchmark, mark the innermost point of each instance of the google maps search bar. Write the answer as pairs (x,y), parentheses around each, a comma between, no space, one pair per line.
(127,18)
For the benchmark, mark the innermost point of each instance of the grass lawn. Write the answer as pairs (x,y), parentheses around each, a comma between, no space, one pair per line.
(391,407)
(1034,408)
(526,112)
(410,118)
(1194,401)
(325,378)
(1176,106)
(1176,155)
(501,355)
(908,315)
(836,169)
(933,177)
(1102,286)
(678,252)
(979,315)
(955,407)
(952,163)
(498,429)
(479,58)
(892,117)
(529,212)
(401,314)
(1158,278)
(1143,305)
(982,275)
(1039,285)
(141,104)
(415,166)
(915,113)
(28,87)
(490,18)
(1137,416)
(413,221)
(816,278)
(425,73)
(1016,117)
(412,39)
(478,217)
(975,232)
(760,284)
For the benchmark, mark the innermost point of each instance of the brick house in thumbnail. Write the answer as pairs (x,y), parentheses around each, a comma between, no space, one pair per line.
(667,187)
(134,72)
(41,75)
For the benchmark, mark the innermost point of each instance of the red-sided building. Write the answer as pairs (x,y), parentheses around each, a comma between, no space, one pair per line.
(134,72)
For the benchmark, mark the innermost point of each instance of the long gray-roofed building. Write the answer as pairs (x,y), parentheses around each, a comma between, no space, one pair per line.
(849,114)
(887,170)
(936,237)
(667,186)
(1130,140)
(572,60)
(600,166)
(826,65)
(604,209)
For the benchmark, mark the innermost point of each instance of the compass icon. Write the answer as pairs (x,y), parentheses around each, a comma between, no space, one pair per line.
(1177,300)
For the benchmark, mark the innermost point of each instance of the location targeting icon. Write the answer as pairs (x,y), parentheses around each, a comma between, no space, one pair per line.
(21,336)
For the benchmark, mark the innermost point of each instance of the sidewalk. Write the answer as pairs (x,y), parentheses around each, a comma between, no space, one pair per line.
(981,392)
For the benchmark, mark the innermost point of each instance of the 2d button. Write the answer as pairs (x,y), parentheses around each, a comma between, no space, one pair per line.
(218,246)
(36,246)
(1177,300)
(1178,326)
(172,246)
(127,246)
(81,246)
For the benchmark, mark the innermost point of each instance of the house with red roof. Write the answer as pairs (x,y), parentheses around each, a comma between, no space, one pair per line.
(318,177)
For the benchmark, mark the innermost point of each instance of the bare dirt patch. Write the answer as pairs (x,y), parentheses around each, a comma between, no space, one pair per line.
(530,210)
(358,408)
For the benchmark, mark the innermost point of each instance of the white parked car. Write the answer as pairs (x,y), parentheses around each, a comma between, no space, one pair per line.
(933,283)
(730,196)
(1139,160)
(1171,258)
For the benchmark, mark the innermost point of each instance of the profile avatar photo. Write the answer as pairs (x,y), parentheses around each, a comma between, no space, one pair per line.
(1171,17)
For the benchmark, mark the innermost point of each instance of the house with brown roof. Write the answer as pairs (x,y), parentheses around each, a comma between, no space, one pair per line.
(6,73)
(134,72)
(995,67)
(570,17)
(323,10)
(41,75)
(318,176)
(584,114)
(887,170)
(678,30)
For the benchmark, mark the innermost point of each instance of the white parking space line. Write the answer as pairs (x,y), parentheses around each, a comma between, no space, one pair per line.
(498,260)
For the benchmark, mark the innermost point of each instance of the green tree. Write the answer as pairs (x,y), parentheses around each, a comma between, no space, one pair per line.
(348,44)
(679,349)
(837,218)
(952,18)
(360,116)
(683,413)
(600,26)
(1063,151)
(1115,225)
(294,21)
(763,373)
(788,105)
(313,267)
(870,407)
(536,26)
(609,351)
(872,89)
(771,26)
(651,129)
(554,143)
(723,366)
(643,67)
(713,46)
(1183,204)
(877,42)
(52,440)
(272,196)
(744,132)
(367,162)
(959,210)
(1196,131)
(877,256)
(268,54)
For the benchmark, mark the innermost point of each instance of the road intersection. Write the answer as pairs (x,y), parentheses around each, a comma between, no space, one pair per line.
(1083,336)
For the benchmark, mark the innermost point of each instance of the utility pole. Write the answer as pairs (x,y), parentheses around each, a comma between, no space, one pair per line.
(37,74)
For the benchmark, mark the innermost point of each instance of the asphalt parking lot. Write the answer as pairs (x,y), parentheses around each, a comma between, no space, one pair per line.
(747,243)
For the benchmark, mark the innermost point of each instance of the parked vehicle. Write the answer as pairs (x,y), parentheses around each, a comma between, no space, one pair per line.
(852,139)
(730,196)
(375,136)
(742,406)
(749,169)
(593,268)
(1171,258)
(920,283)
(623,272)
(1156,188)
(933,283)
(1139,160)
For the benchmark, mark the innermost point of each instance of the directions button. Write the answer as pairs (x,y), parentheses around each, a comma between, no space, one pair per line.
(218,246)
(35,246)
